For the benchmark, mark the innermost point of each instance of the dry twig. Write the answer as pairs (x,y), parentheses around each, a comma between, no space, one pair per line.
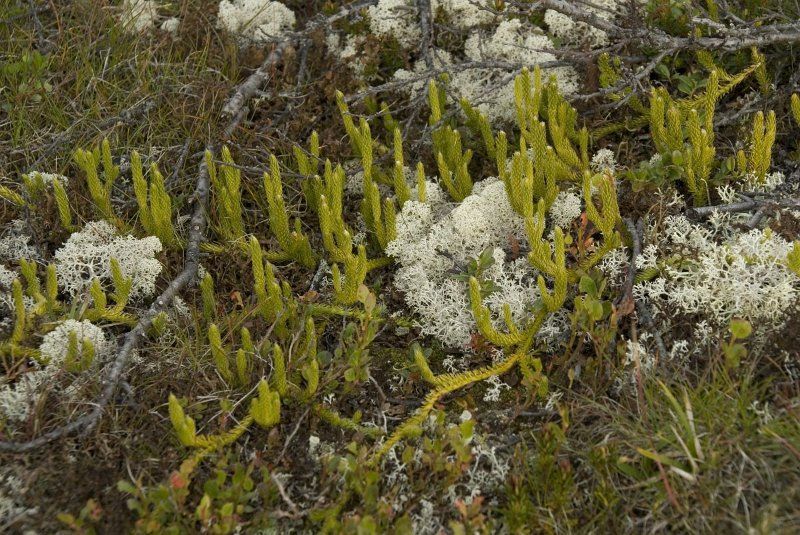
(424,9)
(762,208)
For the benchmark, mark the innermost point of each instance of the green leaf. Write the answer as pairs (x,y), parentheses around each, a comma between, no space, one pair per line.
(659,458)
(740,328)
(587,285)
(734,355)
(126,487)
(595,309)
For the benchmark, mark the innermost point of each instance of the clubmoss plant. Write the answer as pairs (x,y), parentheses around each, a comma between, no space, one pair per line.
(155,204)
(275,303)
(226,183)
(379,214)
(62,202)
(266,408)
(754,165)
(529,194)
(100,190)
(793,258)
(453,162)
(294,244)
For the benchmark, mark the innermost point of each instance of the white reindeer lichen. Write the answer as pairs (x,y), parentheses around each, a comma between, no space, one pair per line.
(255,21)
(434,245)
(87,255)
(724,274)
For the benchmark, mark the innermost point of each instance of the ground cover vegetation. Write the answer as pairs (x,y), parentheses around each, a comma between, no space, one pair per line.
(413,266)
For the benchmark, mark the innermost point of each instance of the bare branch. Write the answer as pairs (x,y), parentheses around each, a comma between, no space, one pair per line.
(732,39)
(235,107)
(748,205)
(425,16)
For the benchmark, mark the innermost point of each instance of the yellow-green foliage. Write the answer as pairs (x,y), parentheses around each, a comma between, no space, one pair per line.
(453,163)
(548,124)
(100,309)
(187,432)
(19,313)
(34,186)
(699,158)
(549,261)
(479,123)
(483,320)
(275,302)
(610,76)
(159,324)
(761,71)
(686,135)
(606,218)
(100,191)
(335,235)
(78,360)
(531,190)
(422,365)
(308,166)
(47,307)
(51,288)
(279,370)
(421,194)
(11,196)
(155,204)
(209,300)
(25,318)
(378,215)
(349,126)
(266,408)
(796,108)
(219,354)
(345,286)
(28,270)
(244,358)
(350,424)
(62,202)
(184,425)
(793,258)
(757,163)
(401,190)
(294,243)
(527,184)
(122,284)
(226,185)
(310,372)
(445,384)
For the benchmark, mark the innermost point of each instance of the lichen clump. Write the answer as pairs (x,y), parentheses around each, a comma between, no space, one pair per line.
(497,55)
(17,399)
(55,343)
(255,21)
(87,255)
(138,15)
(436,243)
(721,276)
